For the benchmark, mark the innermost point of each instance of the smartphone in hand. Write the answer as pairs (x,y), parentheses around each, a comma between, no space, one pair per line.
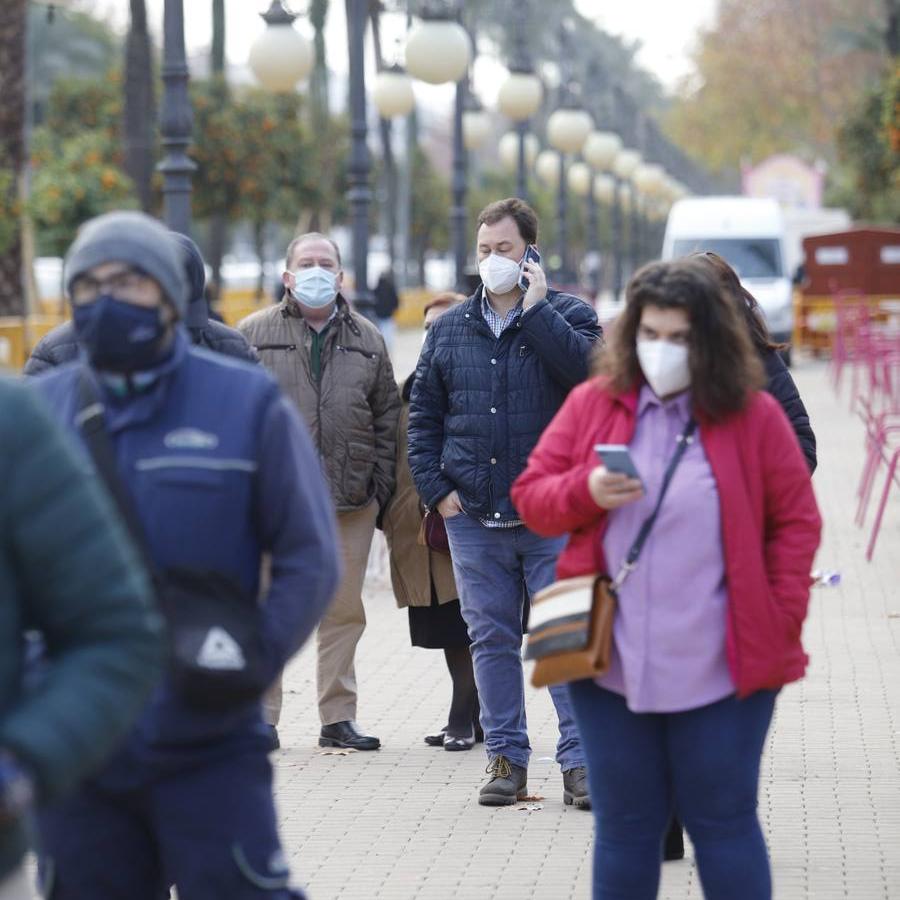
(531,255)
(617,458)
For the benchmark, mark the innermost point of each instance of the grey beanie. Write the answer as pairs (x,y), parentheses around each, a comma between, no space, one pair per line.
(136,239)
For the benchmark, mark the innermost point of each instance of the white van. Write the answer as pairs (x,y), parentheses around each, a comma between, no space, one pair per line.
(750,234)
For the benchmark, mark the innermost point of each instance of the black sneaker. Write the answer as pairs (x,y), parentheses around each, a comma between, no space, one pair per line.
(507,784)
(575,788)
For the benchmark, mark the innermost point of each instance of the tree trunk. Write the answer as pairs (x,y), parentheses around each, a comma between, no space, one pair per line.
(13,20)
(218,226)
(139,110)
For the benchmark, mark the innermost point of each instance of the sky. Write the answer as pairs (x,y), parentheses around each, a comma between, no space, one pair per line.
(666,30)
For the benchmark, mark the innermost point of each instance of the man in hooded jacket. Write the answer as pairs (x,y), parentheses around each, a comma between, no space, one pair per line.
(60,345)
(216,468)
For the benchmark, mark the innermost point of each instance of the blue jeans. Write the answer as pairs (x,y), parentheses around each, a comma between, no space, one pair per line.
(492,566)
(702,764)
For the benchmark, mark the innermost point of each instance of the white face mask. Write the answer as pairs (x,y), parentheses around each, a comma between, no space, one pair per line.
(314,287)
(665,366)
(499,273)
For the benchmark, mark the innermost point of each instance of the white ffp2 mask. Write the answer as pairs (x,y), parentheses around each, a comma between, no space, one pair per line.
(665,366)
(499,273)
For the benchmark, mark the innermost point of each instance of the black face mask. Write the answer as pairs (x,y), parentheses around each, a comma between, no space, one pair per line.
(119,336)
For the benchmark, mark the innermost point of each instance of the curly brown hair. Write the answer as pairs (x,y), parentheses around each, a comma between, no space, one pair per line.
(724,367)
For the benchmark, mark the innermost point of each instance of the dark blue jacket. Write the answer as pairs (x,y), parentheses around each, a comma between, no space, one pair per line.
(221,470)
(781,386)
(479,403)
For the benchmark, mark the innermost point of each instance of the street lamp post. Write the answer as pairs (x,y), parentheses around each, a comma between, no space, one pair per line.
(520,95)
(567,130)
(176,122)
(458,206)
(359,193)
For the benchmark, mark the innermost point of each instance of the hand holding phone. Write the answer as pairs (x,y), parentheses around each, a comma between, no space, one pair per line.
(531,256)
(617,481)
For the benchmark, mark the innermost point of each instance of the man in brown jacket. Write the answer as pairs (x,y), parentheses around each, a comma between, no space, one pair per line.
(334,364)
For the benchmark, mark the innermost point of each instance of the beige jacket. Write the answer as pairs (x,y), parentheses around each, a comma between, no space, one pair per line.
(413,565)
(352,410)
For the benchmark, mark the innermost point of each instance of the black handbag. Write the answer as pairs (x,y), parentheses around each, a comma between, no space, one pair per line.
(217,656)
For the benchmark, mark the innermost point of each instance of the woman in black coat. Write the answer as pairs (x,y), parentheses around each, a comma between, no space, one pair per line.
(780,384)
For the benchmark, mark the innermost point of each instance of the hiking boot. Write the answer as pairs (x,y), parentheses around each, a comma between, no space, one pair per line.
(507,784)
(575,788)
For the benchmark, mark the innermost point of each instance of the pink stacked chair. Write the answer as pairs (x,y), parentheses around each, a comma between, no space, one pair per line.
(873,350)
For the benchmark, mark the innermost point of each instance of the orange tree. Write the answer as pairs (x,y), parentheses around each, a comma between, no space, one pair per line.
(76,159)
(257,162)
(74,181)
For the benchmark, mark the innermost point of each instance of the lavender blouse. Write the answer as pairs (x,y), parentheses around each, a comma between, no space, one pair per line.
(669,633)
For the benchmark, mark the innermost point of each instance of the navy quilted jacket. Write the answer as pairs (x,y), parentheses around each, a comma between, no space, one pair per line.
(480,403)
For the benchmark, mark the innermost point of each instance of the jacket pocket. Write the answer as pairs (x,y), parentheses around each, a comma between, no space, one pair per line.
(358,473)
(188,502)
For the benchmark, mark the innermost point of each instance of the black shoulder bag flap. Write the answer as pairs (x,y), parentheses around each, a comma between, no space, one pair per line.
(217,654)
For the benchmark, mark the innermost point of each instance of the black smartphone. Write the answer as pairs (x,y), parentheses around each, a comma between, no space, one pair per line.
(617,458)
(531,255)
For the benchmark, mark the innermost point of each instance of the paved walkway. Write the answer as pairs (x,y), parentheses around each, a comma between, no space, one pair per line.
(404,822)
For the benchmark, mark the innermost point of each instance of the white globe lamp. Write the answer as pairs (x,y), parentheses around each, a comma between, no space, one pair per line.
(438,51)
(546,167)
(508,150)
(601,149)
(605,188)
(625,163)
(580,178)
(476,126)
(281,56)
(568,128)
(392,93)
(520,96)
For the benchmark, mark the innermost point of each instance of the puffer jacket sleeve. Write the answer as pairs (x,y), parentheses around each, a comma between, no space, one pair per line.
(83,589)
(428,407)
(385,404)
(782,387)
(54,349)
(221,339)
(552,495)
(563,334)
(297,527)
(792,522)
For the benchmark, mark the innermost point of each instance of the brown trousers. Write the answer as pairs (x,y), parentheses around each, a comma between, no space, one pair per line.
(340,629)
(345,620)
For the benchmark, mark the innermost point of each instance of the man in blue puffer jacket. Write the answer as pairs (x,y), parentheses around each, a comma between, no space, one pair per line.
(219,469)
(60,344)
(492,374)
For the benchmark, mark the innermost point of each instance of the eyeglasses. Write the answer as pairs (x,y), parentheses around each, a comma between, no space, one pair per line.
(126,284)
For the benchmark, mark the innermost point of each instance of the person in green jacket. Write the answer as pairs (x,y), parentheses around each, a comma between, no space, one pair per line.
(69,574)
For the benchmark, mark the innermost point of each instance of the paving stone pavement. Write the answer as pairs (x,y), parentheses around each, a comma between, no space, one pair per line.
(404,823)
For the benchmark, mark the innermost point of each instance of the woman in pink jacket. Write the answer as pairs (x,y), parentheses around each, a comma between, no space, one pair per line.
(708,622)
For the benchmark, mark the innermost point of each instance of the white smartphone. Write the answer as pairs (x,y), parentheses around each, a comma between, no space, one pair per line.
(617,458)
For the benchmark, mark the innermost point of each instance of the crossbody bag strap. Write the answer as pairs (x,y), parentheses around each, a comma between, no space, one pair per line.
(684,439)
(96,438)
